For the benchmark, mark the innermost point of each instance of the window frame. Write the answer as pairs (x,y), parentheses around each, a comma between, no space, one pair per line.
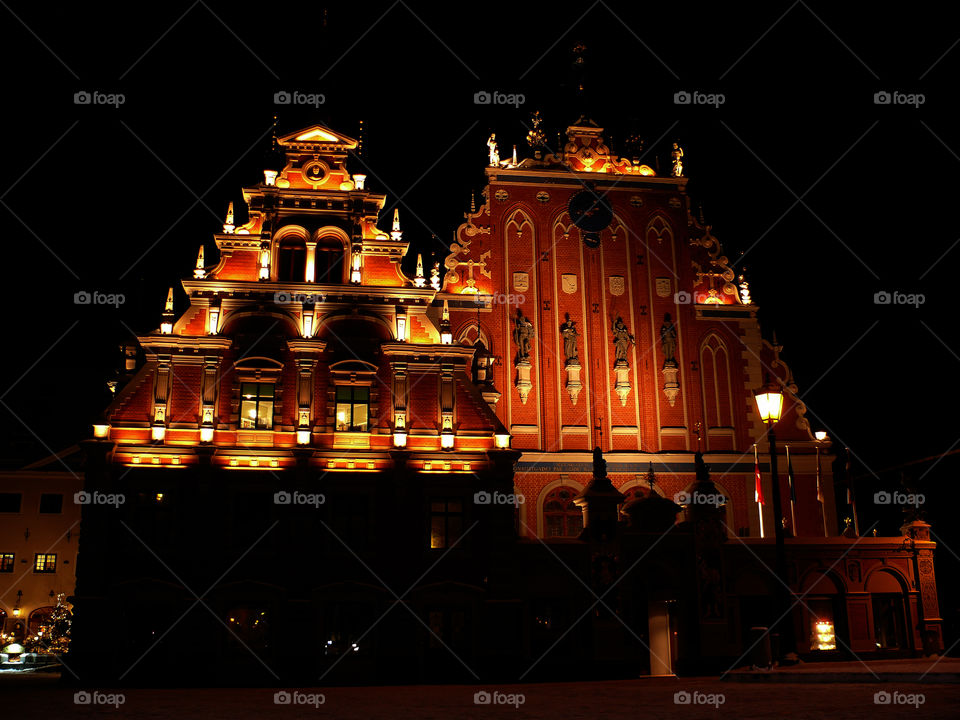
(446,514)
(58,511)
(563,514)
(259,398)
(19,509)
(48,567)
(353,389)
(4,567)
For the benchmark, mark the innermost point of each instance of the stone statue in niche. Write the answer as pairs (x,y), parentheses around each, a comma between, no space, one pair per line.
(668,340)
(676,157)
(622,340)
(568,331)
(523,336)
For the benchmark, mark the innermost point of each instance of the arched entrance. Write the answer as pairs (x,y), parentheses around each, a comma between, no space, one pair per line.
(889,612)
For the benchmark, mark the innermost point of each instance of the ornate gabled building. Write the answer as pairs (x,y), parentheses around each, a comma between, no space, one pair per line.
(317,429)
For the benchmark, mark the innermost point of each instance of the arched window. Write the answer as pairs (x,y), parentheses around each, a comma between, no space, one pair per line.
(330,260)
(292,259)
(715,384)
(561,516)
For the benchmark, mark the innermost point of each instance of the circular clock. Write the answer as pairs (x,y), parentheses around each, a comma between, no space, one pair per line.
(590,212)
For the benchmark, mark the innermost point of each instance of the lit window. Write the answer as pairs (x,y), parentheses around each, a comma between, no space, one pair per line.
(446,522)
(45,563)
(561,516)
(6,562)
(353,408)
(256,406)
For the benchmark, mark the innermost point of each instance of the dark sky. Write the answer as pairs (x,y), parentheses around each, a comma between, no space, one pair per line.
(118,199)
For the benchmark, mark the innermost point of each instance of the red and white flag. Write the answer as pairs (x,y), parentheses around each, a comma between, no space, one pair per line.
(758,485)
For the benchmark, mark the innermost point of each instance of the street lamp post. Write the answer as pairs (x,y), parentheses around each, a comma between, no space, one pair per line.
(770,406)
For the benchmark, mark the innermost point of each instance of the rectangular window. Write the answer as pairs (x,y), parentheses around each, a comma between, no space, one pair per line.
(45,563)
(51,504)
(446,522)
(353,408)
(6,562)
(256,406)
(9,502)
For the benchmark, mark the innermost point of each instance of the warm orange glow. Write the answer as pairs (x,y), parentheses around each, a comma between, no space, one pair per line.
(317,134)
(101,431)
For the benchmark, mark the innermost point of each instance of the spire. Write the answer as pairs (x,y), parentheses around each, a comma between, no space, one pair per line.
(166,324)
(274,160)
(446,333)
(199,272)
(473,203)
(395,233)
(228,225)
(359,139)
(420,281)
(435,276)
(514,155)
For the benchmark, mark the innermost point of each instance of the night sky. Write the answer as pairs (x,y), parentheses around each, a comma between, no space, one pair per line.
(831,197)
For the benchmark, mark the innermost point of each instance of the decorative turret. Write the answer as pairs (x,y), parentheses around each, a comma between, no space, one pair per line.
(395,233)
(420,281)
(435,277)
(446,334)
(228,225)
(599,502)
(166,324)
(199,271)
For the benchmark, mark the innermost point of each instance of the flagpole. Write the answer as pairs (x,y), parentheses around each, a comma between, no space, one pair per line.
(823,513)
(791,480)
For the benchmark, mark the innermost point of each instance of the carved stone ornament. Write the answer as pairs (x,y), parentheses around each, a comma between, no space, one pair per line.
(663,287)
(521,281)
(618,285)
(568,283)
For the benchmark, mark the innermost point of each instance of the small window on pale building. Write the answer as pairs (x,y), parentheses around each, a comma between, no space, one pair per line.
(256,406)
(45,563)
(353,408)
(51,504)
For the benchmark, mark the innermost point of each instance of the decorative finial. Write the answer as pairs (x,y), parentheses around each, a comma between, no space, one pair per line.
(228,225)
(395,233)
(199,272)
(166,323)
(473,203)
(435,277)
(651,477)
(168,306)
(420,281)
(536,138)
(359,139)
(744,290)
(514,155)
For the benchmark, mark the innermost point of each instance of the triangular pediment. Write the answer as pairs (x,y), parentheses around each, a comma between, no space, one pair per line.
(318,136)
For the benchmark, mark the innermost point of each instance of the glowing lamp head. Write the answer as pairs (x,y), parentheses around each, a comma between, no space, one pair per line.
(303,437)
(769,402)
(101,431)
(502,440)
(400,439)
(270,177)
(166,328)
(820,435)
(446,440)
(446,337)
(214,325)
(359,180)
(206,434)
(16,613)
(158,432)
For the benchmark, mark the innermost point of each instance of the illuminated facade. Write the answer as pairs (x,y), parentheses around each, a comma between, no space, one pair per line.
(342,428)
